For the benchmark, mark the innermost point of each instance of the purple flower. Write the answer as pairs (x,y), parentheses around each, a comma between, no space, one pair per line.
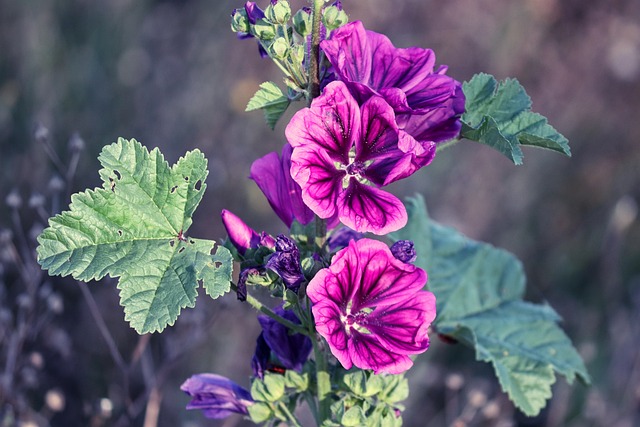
(216,396)
(286,263)
(291,350)
(343,153)
(404,250)
(341,237)
(242,236)
(371,309)
(273,176)
(427,103)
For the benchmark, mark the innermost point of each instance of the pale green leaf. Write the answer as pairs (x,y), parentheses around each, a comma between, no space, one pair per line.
(270,99)
(135,228)
(498,115)
(479,291)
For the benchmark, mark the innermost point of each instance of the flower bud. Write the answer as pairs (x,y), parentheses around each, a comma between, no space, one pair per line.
(240,234)
(240,21)
(404,251)
(279,49)
(263,30)
(278,12)
(302,22)
(334,17)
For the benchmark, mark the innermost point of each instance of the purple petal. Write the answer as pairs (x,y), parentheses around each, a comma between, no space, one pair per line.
(379,132)
(328,324)
(332,123)
(402,328)
(291,349)
(368,353)
(216,396)
(368,209)
(272,174)
(349,52)
(432,91)
(315,172)
(341,237)
(414,156)
(260,359)
(254,13)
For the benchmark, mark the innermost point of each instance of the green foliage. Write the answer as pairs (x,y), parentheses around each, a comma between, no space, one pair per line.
(479,291)
(271,100)
(134,228)
(498,115)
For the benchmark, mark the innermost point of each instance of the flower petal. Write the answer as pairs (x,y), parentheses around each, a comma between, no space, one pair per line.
(332,123)
(315,172)
(379,132)
(273,176)
(402,328)
(349,52)
(216,396)
(368,353)
(368,209)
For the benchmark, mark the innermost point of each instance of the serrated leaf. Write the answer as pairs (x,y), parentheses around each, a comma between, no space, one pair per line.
(134,228)
(498,115)
(479,291)
(270,99)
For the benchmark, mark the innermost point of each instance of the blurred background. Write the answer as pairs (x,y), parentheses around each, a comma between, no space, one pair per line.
(77,74)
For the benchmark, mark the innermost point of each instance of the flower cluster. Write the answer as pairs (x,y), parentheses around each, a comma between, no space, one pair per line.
(380,115)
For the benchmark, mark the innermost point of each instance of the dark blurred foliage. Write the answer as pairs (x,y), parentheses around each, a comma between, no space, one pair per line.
(172,75)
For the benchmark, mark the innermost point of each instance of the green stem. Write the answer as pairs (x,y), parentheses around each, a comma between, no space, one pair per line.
(323,379)
(255,303)
(314,61)
(447,144)
(290,416)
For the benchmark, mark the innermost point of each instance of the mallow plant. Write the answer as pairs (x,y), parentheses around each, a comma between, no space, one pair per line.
(363,280)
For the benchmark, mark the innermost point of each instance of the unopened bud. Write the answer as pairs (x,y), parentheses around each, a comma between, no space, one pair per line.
(240,21)
(279,49)
(263,30)
(334,17)
(278,12)
(302,22)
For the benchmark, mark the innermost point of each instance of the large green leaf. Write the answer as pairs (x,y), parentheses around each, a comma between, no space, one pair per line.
(498,115)
(271,100)
(134,228)
(479,291)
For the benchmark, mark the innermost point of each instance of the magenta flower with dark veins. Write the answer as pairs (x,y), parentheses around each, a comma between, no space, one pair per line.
(216,396)
(371,308)
(272,175)
(427,103)
(343,153)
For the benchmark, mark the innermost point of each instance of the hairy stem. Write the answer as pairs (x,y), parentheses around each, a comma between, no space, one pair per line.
(292,418)
(255,303)
(314,61)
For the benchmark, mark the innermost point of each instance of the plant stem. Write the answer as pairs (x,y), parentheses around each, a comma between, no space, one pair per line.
(447,144)
(255,303)
(290,416)
(314,61)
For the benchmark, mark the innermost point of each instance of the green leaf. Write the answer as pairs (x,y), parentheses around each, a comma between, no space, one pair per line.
(479,291)
(270,99)
(498,115)
(134,228)
(296,381)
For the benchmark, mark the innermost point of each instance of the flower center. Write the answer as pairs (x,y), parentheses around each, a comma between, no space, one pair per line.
(355,168)
(357,321)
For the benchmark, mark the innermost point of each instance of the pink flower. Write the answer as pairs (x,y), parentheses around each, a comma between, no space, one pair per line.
(371,308)
(343,153)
